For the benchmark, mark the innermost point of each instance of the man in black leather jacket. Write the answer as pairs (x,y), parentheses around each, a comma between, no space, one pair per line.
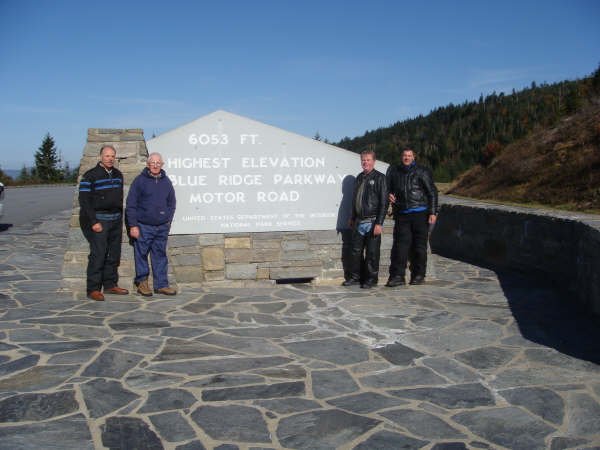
(414,199)
(369,206)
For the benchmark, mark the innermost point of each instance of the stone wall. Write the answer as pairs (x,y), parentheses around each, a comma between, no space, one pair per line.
(242,259)
(563,247)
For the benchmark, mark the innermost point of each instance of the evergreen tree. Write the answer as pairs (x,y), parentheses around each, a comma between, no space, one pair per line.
(73,174)
(452,138)
(66,171)
(46,161)
(4,178)
(595,81)
(24,175)
(70,175)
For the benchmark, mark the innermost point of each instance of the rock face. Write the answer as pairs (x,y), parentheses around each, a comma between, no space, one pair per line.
(399,354)
(112,363)
(129,432)
(322,429)
(105,396)
(389,440)
(509,427)
(71,433)
(232,423)
(37,407)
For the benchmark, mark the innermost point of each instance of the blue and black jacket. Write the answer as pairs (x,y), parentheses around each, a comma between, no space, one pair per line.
(151,200)
(100,191)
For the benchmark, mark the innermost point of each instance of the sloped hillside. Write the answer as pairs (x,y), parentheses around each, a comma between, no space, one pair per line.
(558,167)
(454,138)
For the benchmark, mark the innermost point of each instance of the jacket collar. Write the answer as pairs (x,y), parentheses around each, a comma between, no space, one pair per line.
(99,165)
(408,168)
(147,173)
(366,175)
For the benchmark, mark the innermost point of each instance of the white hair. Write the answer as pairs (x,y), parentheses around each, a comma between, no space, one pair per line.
(155,154)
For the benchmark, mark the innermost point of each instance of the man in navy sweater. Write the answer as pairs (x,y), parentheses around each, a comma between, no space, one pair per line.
(149,211)
(101,221)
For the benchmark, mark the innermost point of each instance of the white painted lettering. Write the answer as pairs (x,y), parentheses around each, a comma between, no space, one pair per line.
(252,138)
(188,180)
(206,139)
(296,162)
(218,197)
(282,196)
(198,163)
(237,180)
(304,179)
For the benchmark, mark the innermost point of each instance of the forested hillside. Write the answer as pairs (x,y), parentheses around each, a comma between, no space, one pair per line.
(454,138)
(558,166)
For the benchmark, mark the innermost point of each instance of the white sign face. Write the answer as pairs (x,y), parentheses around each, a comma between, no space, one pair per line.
(232,174)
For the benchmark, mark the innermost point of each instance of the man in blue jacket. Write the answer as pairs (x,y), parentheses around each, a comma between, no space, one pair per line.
(149,211)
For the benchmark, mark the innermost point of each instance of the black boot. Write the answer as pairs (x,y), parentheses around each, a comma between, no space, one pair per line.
(395,281)
(418,279)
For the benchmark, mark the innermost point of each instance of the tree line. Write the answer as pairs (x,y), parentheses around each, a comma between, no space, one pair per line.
(48,167)
(450,139)
(453,138)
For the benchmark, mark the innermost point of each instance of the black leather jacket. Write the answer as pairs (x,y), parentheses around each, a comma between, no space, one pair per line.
(375,197)
(413,187)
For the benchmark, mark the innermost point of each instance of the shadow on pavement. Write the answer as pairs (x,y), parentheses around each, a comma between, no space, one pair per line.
(551,318)
(5,226)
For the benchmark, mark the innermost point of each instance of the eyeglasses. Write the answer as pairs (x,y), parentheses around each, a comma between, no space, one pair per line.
(155,163)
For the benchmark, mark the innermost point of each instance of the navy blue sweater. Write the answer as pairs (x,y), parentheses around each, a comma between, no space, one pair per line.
(151,200)
(100,191)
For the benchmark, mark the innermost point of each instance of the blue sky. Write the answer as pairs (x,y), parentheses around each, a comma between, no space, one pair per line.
(334,67)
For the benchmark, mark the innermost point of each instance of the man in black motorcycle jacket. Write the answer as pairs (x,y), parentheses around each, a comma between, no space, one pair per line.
(414,199)
(369,206)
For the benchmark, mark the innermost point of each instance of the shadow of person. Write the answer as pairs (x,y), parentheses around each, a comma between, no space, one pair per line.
(5,226)
(343,219)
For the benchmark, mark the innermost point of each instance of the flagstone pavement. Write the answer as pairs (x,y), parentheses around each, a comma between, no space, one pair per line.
(474,359)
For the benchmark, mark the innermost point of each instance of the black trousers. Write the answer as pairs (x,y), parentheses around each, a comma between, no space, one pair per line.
(364,256)
(105,255)
(410,239)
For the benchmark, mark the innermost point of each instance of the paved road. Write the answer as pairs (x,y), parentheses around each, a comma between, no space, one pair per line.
(24,204)
(471,360)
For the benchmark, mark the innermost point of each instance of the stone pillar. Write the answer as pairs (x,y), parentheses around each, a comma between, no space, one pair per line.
(131,159)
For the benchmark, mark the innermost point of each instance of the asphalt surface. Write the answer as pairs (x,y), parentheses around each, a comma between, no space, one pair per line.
(25,204)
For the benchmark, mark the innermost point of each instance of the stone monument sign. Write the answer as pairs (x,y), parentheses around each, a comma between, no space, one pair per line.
(233,174)
(255,204)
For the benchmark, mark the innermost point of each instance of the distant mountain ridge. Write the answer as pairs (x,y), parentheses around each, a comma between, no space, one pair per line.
(454,138)
(13,173)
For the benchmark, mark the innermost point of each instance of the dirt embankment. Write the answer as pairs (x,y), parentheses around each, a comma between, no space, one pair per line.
(558,167)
